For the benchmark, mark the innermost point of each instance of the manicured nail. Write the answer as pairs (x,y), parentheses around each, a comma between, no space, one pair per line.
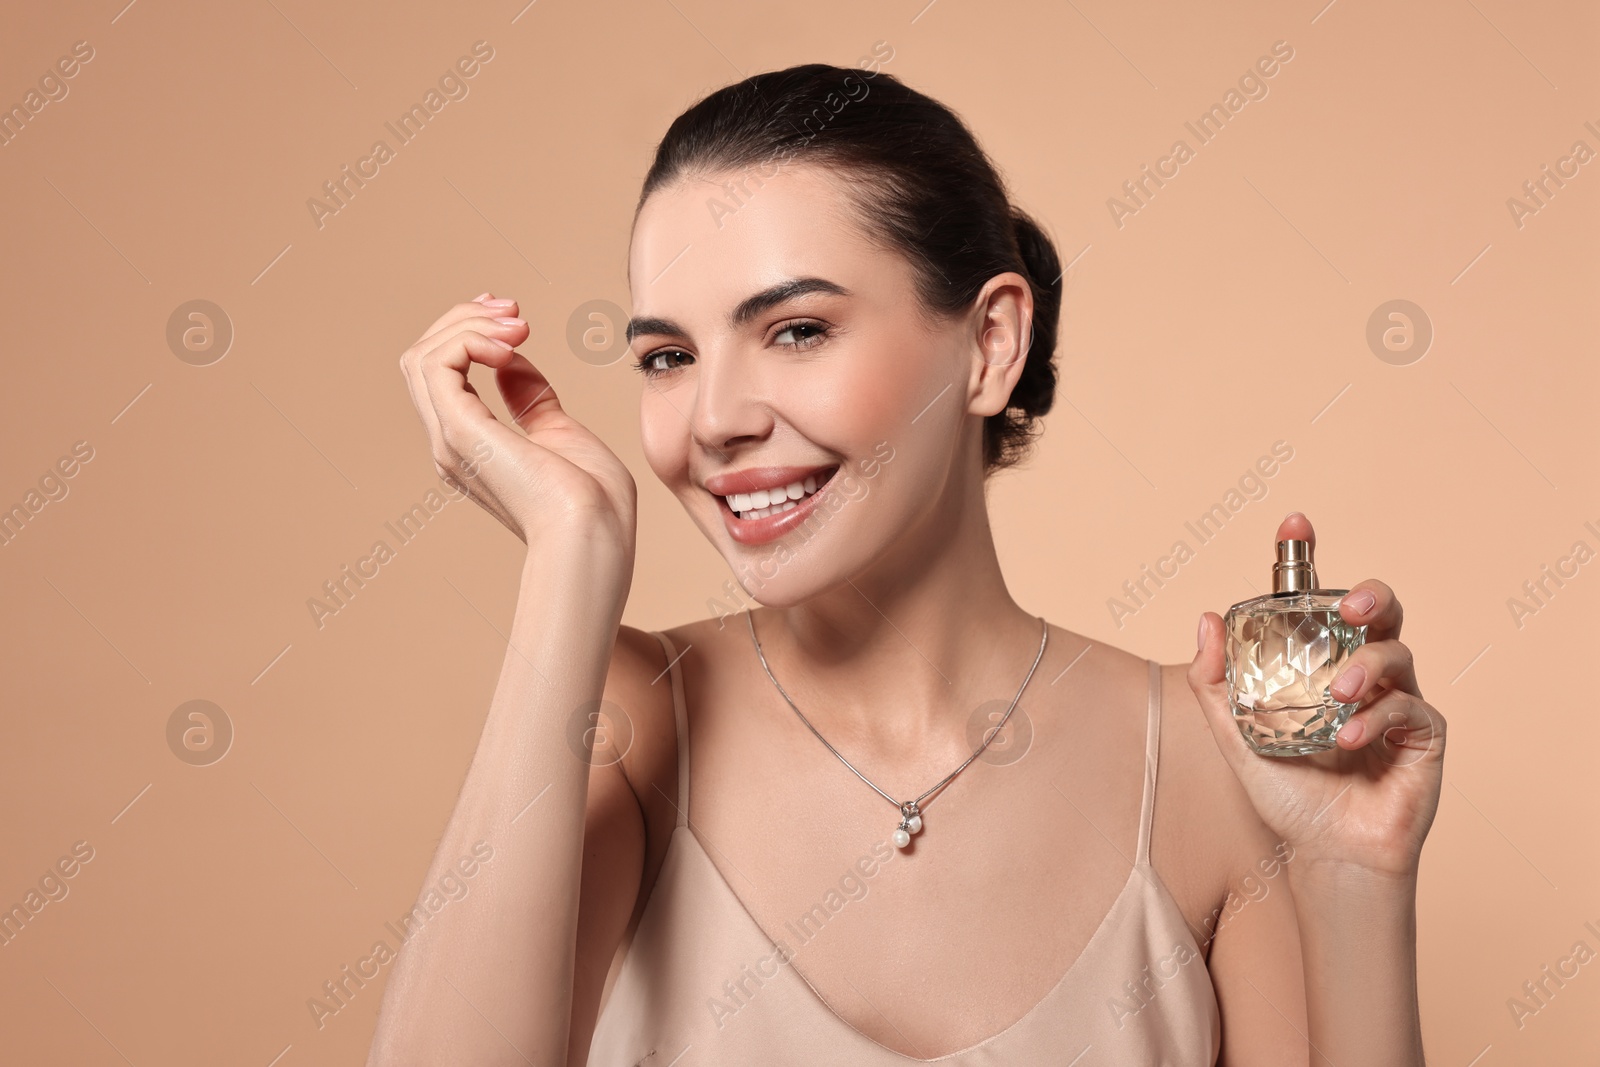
(1359,603)
(1348,683)
(501,343)
(1200,635)
(479,297)
(1352,732)
(509,322)
(498,303)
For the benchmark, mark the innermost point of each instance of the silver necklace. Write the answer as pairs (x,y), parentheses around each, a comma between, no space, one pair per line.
(910,810)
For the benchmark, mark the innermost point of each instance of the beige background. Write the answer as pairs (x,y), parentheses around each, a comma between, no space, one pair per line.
(1228,313)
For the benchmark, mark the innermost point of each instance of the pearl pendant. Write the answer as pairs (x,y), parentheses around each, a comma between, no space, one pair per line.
(910,823)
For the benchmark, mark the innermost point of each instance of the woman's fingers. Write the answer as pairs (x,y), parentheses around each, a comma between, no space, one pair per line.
(466,435)
(1296,527)
(420,401)
(485,306)
(1373,604)
(1210,684)
(509,473)
(1399,727)
(443,373)
(1377,673)
(1381,677)
(526,391)
(1374,667)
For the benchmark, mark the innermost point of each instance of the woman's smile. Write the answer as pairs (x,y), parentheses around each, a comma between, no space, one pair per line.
(761,504)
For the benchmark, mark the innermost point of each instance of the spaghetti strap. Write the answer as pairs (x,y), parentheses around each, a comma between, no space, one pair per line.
(696,931)
(1152,748)
(680,715)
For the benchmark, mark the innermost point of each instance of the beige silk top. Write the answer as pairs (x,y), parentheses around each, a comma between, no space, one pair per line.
(1138,995)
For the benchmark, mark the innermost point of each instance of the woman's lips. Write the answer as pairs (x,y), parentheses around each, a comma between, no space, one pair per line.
(771,527)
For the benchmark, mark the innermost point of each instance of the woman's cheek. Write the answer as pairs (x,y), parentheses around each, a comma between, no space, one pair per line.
(662,439)
(876,401)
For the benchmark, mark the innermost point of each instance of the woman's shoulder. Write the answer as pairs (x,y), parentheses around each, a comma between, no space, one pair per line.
(1203,814)
(703,646)
(636,707)
(1205,829)
(640,694)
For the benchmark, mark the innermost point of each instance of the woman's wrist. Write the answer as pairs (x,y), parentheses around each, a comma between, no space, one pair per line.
(577,573)
(1358,932)
(1311,876)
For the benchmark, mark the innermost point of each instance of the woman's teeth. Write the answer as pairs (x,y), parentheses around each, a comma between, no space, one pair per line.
(764,502)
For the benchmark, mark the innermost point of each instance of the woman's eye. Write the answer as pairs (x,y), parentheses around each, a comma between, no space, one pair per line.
(661,362)
(796,335)
(813,334)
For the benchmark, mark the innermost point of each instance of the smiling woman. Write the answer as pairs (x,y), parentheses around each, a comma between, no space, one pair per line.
(878,298)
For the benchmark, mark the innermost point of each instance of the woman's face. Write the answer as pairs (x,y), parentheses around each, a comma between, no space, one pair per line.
(798,402)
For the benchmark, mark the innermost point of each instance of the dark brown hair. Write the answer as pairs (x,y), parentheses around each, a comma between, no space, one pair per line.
(919,182)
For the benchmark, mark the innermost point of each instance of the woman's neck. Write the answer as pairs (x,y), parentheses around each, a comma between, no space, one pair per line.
(904,652)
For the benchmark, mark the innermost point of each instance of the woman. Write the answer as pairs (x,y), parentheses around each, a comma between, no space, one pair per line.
(843,327)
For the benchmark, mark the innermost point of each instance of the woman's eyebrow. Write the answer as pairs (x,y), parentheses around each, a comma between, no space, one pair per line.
(748,308)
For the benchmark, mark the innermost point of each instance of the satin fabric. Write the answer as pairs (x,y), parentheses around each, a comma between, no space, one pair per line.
(1138,995)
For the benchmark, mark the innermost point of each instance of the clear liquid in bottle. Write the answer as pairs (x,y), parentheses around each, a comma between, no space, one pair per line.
(1282,653)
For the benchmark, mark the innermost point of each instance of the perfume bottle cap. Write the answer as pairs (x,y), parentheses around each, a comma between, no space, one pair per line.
(1294,571)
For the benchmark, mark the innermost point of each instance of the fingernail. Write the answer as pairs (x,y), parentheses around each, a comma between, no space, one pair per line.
(1359,603)
(509,322)
(1348,683)
(1200,635)
(498,303)
(479,297)
(1352,732)
(501,343)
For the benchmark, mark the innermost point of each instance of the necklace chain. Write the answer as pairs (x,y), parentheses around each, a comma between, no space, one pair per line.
(910,809)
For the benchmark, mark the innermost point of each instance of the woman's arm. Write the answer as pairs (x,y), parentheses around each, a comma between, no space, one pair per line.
(1358,941)
(1316,965)
(1355,819)
(489,980)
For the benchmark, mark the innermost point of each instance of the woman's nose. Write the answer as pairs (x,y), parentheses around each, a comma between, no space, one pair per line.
(729,408)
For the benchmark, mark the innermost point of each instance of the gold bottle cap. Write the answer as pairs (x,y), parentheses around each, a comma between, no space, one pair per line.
(1294,572)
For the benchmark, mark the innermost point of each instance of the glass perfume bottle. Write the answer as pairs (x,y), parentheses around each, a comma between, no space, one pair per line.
(1283,651)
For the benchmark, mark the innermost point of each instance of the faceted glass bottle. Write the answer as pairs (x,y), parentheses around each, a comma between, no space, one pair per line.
(1282,654)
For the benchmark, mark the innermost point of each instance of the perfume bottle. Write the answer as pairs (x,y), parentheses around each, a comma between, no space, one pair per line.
(1283,651)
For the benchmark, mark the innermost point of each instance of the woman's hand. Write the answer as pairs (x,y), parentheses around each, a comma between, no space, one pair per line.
(559,478)
(1368,803)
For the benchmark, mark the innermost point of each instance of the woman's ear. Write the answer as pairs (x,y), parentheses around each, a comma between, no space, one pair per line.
(1004,333)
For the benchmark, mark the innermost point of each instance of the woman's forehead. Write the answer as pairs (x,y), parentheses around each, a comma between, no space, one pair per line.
(688,259)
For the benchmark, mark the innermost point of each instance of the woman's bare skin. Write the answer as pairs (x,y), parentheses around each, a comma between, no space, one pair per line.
(889,628)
